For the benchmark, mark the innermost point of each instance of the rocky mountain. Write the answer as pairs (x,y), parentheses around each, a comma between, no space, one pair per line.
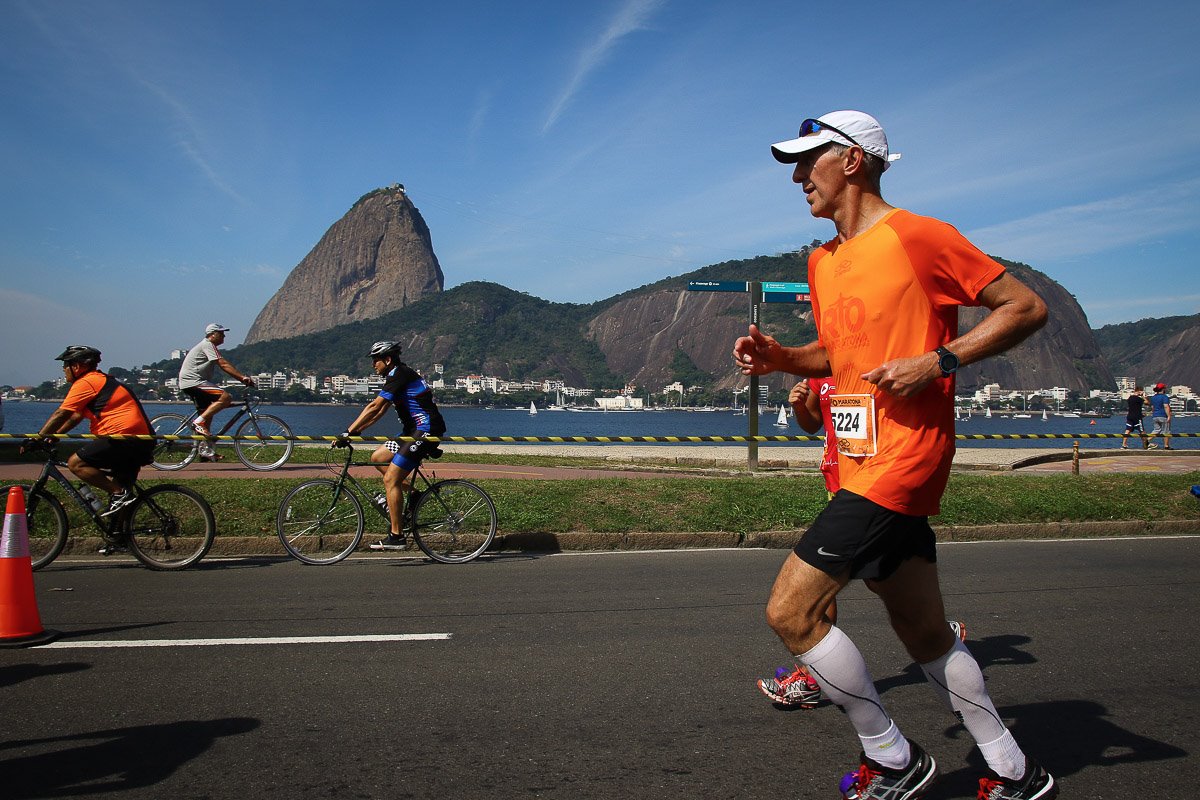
(1153,350)
(653,335)
(1063,353)
(376,259)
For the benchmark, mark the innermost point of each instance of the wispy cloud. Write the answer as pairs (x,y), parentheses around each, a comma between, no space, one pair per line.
(630,17)
(1087,228)
(191,140)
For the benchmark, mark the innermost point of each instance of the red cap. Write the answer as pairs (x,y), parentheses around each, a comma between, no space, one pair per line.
(1158,387)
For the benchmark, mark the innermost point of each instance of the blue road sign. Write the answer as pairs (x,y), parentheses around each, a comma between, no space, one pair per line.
(786,288)
(719,286)
(786,297)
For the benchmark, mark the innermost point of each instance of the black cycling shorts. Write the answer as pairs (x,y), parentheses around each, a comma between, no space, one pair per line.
(124,458)
(856,534)
(409,455)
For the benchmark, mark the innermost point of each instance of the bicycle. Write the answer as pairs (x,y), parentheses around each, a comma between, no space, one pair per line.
(263,442)
(321,520)
(168,527)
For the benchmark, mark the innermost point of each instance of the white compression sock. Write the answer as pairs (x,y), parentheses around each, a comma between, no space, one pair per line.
(839,668)
(957,679)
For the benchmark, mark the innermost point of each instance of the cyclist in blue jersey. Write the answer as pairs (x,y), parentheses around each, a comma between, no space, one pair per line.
(404,389)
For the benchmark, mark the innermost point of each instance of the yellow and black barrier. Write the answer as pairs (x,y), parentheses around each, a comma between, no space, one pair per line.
(573,439)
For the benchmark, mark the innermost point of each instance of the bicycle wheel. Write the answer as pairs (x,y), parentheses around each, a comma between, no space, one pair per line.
(319,522)
(170,527)
(46,523)
(172,454)
(454,521)
(259,450)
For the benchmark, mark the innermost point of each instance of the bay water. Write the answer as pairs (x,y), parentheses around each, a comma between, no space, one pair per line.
(329,420)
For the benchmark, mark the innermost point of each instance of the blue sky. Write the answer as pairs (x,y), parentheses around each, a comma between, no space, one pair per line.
(166,165)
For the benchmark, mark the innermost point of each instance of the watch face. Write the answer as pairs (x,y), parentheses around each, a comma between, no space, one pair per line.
(948,362)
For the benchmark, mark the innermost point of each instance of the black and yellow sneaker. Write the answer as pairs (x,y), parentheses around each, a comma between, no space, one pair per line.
(873,781)
(1036,785)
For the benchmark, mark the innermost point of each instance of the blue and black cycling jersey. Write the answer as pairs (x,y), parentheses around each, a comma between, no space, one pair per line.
(413,399)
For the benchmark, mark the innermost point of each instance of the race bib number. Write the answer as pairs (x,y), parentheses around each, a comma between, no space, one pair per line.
(853,418)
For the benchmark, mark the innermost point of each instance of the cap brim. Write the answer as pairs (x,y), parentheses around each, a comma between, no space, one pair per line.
(789,152)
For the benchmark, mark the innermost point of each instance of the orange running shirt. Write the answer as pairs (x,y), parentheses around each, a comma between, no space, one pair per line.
(122,413)
(891,292)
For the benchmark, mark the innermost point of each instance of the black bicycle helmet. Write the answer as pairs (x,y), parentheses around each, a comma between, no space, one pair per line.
(78,352)
(384,349)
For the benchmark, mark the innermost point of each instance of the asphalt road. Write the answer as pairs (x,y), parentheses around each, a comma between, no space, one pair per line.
(579,676)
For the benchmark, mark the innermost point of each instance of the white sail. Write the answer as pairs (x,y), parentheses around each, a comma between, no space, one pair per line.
(532,407)
(781,421)
(1045,416)
(989,412)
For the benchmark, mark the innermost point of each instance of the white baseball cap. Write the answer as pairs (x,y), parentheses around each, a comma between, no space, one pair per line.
(213,328)
(843,127)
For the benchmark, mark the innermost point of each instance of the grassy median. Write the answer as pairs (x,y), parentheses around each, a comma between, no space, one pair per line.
(741,504)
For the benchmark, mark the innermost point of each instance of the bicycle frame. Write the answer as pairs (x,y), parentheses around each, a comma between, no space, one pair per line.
(242,411)
(51,471)
(414,494)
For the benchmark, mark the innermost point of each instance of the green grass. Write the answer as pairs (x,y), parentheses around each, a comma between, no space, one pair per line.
(743,504)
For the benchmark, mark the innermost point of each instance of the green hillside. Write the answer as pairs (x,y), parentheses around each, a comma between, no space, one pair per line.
(486,328)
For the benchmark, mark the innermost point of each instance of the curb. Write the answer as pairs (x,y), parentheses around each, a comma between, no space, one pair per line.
(580,541)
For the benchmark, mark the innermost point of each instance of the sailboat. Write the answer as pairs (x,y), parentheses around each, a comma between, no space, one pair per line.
(532,408)
(989,412)
(782,421)
(1045,416)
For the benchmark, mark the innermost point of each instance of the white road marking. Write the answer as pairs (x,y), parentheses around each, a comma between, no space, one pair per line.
(383,637)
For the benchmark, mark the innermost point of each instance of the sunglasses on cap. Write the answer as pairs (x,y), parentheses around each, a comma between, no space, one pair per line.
(811,126)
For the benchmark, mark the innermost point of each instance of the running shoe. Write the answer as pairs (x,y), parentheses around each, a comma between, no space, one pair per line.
(797,688)
(200,427)
(117,502)
(873,781)
(1036,785)
(390,542)
(1152,446)
(960,630)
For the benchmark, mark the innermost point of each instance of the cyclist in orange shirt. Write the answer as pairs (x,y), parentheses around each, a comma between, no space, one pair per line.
(886,292)
(112,409)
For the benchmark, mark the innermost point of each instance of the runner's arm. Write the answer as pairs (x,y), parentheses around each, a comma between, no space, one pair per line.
(1016,313)
(759,353)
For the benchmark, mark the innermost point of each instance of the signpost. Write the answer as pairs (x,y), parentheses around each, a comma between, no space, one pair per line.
(760,292)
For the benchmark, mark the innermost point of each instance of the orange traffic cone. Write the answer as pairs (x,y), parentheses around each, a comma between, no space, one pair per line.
(20,625)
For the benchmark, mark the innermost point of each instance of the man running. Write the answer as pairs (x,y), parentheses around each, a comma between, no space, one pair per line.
(196,381)
(412,398)
(885,294)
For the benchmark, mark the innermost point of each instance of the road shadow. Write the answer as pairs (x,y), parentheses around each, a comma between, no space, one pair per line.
(18,673)
(106,761)
(992,651)
(1066,737)
(85,632)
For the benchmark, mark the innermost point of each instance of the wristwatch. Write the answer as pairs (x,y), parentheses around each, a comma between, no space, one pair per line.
(947,361)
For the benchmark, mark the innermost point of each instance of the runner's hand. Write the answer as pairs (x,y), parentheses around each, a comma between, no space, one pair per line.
(904,377)
(758,353)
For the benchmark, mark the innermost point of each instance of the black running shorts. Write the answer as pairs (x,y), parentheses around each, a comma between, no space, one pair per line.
(870,541)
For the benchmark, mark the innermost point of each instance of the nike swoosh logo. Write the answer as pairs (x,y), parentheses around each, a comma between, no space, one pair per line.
(821,551)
